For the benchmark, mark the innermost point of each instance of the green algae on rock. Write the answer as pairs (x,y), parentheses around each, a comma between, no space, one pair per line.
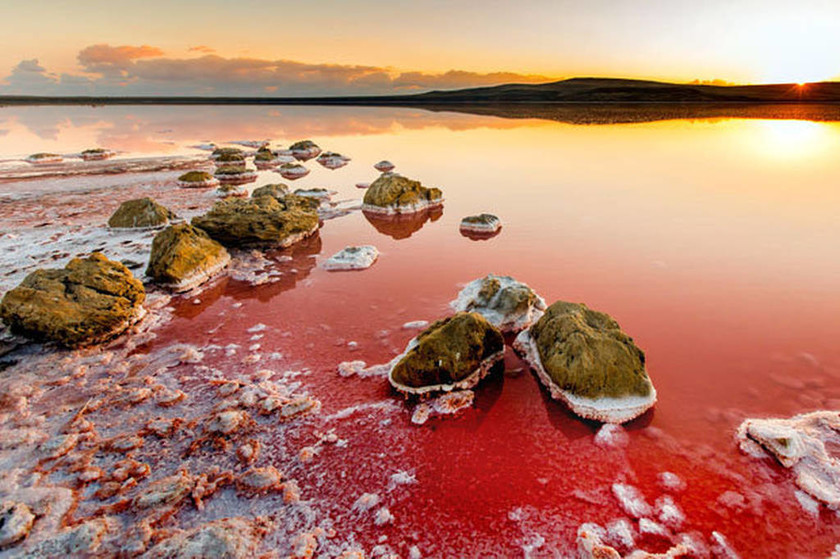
(394,194)
(142,213)
(197,179)
(184,257)
(234,174)
(304,150)
(258,221)
(508,304)
(223,152)
(585,359)
(277,190)
(89,301)
(292,171)
(453,353)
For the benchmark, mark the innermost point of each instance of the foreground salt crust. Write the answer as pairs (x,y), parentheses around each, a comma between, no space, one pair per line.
(352,258)
(606,410)
(495,308)
(800,443)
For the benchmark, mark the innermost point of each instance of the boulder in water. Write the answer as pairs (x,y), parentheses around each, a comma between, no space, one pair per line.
(304,150)
(143,213)
(197,179)
(89,301)
(508,304)
(184,257)
(395,194)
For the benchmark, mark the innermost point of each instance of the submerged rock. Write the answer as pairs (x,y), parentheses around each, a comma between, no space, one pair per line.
(45,158)
(89,301)
(278,191)
(97,154)
(292,171)
(304,150)
(184,257)
(508,304)
(143,213)
(263,220)
(481,223)
(395,194)
(453,353)
(353,258)
(384,166)
(197,179)
(585,359)
(234,174)
(804,444)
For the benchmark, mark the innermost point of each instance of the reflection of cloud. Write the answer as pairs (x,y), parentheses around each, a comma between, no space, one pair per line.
(143,70)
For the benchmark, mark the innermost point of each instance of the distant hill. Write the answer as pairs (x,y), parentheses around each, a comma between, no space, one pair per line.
(571,91)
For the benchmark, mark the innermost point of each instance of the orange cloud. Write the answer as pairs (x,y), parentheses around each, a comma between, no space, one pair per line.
(202,49)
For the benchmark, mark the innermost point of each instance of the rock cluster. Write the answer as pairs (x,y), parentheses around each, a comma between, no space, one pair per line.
(89,301)
(508,304)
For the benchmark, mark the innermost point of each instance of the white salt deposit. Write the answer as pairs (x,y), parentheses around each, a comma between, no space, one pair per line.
(415,325)
(502,309)
(352,258)
(611,436)
(631,500)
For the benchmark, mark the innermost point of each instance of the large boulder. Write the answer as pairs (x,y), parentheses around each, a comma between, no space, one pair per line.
(585,359)
(89,301)
(142,213)
(452,354)
(258,221)
(508,304)
(395,194)
(184,257)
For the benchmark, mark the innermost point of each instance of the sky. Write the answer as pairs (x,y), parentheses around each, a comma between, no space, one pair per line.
(363,47)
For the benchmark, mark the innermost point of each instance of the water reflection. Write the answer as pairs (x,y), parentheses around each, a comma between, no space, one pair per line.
(402,226)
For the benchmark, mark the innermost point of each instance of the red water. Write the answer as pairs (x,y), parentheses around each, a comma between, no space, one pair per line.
(712,243)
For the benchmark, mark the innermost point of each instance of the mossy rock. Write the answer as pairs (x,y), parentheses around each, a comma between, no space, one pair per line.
(586,353)
(183,257)
(262,220)
(230,170)
(392,191)
(304,145)
(508,304)
(231,158)
(448,351)
(278,191)
(141,213)
(220,152)
(44,155)
(196,177)
(266,155)
(95,151)
(89,301)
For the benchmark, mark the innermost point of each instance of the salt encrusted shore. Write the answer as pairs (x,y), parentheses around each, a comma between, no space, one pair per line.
(605,410)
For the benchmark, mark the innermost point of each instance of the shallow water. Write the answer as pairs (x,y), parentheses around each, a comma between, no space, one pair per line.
(712,242)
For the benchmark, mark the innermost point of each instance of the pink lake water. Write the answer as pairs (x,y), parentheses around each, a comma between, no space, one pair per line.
(713,242)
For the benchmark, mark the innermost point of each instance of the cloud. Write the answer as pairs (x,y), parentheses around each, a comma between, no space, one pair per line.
(202,49)
(144,70)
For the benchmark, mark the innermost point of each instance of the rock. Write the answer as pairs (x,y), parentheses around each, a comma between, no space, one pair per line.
(362,185)
(228,538)
(352,258)
(481,223)
(332,160)
(321,194)
(143,213)
(384,166)
(395,194)
(450,403)
(234,174)
(44,158)
(16,521)
(261,480)
(97,154)
(585,359)
(292,171)
(304,150)
(265,159)
(263,220)
(803,444)
(278,190)
(184,257)
(229,159)
(165,492)
(453,353)
(89,301)
(229,190)
(197,179)
(506,303)
(223,152)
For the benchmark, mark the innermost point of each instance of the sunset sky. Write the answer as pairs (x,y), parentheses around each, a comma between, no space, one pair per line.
(252,47)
